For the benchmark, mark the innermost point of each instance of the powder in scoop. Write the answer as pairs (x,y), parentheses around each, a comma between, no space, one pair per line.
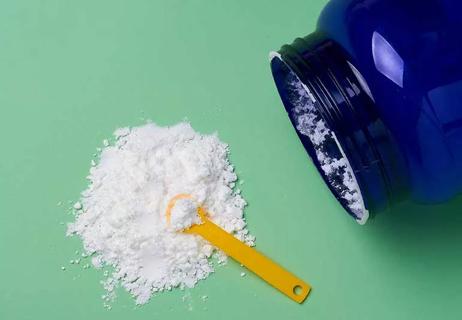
(184,214)
(122,220)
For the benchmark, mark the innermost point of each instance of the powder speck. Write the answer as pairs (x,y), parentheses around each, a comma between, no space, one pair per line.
(77,206)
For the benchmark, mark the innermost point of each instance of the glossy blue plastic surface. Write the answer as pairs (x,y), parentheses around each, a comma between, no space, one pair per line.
(410,55)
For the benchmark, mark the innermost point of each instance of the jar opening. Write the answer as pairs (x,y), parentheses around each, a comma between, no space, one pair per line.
(319,139)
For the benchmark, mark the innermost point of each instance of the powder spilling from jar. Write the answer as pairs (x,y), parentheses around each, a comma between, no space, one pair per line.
(121,215)
(333,164)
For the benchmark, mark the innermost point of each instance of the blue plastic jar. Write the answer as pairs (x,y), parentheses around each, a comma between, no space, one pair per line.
(379,83)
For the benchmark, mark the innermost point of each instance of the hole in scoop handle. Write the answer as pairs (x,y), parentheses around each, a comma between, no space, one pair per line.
(265,268)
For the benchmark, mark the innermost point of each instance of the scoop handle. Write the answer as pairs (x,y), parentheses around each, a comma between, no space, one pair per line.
(265,268)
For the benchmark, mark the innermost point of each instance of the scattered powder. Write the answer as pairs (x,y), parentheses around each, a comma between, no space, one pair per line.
(337,170)
(121,216)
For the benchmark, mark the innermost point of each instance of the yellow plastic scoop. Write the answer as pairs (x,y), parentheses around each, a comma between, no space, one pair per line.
(271,272)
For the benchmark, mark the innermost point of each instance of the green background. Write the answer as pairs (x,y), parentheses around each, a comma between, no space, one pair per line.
(73,71)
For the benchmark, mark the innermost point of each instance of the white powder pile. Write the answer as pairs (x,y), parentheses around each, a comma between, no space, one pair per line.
(310,123)
(121,215)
